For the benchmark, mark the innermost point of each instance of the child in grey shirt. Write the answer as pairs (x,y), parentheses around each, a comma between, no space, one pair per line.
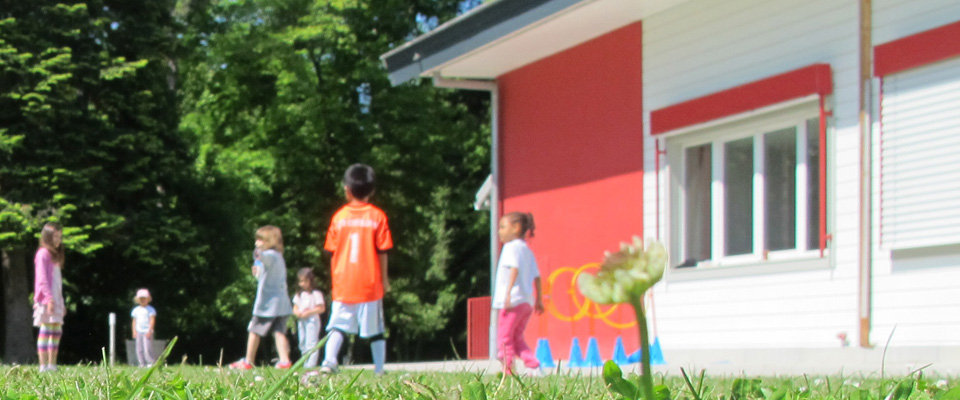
(272,308)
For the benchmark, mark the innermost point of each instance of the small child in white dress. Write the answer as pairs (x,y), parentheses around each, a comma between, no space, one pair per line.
(308,304)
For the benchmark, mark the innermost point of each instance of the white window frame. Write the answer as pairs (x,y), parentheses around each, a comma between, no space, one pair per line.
(753,125)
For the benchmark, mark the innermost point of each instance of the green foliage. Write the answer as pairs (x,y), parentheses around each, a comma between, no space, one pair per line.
(613,377)
(280,96)
(161,134)
(161,360)
(696,391)
(294,370)
(474,391)
(746,388)
(88,115)
(192,382)
(662,392)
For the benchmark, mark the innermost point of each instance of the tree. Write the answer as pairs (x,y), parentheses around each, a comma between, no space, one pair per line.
(162,133)
(89,95)
(282,95)
(34,94)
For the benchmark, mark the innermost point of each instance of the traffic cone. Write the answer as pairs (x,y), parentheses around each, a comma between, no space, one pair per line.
(619,354)
(544,355)
(576,355)
(656,354)
(634,357)
(593,354)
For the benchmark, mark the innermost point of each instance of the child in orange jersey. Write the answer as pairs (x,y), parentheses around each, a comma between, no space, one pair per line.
(358,240)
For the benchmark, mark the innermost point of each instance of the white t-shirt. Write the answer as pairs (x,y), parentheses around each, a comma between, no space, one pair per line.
(142,316)
(515,254)
(306,301)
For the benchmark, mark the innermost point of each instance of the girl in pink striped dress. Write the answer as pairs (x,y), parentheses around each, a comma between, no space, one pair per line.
(48,306)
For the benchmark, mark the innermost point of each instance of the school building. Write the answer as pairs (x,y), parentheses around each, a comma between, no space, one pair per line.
(798,158)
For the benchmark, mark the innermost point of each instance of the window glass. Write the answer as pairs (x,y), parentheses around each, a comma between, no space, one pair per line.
(813,183)
(780,186)
(738,198)
(749,191)
(697,217)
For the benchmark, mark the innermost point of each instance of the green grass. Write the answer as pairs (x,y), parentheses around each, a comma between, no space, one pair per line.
(193,382)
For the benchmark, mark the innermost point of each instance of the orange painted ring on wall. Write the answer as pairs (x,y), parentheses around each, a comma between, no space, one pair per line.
(582,306)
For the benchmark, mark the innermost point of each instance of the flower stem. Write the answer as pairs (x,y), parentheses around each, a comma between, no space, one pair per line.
(646,378)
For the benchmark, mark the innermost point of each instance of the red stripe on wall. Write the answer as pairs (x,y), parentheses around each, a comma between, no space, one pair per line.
(917,50)
(813,79)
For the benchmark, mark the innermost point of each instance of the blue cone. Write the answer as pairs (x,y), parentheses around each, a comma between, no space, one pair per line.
(619,354)
(543,353)
(593,354)
(634,357)
(656,354)
(576,355)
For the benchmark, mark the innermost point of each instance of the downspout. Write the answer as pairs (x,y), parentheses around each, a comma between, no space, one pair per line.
(865,281)
(488,85)
(656,157)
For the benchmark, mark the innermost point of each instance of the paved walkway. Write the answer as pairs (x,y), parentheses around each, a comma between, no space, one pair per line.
(754,362)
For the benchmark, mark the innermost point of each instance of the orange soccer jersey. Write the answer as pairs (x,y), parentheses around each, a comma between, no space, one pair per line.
(358,233)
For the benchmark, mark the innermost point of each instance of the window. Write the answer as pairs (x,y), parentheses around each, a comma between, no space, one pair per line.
(747,191)
(920,177)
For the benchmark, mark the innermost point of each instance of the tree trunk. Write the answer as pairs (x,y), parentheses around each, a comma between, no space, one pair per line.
(18,346)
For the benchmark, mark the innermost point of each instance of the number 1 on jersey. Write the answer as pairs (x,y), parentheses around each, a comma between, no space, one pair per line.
(354,240)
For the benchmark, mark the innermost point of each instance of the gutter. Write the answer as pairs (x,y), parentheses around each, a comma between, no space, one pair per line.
(472,31)
(488,85)
(865,281)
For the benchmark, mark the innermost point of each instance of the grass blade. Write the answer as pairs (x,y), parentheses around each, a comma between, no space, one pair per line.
(686,379)
(160,360)
(275,387)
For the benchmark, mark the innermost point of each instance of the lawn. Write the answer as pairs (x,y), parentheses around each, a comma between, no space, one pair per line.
(210,382)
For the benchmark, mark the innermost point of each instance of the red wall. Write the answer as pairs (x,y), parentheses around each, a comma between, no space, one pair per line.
(572,154)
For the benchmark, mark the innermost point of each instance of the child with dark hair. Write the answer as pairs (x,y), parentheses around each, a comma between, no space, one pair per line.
(48,304)
(517,293)
(357,241)
(271,308)
(308,304)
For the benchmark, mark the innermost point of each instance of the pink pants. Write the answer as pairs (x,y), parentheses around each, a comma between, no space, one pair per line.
(510,327)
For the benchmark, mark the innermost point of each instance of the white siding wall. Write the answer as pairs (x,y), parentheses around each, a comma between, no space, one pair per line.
(918,292)
(705,46)
(895,19)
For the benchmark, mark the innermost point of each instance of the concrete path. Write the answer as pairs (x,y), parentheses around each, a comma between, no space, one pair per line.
(763,362)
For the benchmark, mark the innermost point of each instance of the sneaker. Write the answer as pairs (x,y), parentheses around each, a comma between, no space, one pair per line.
(309,378)
(282,365)
(241,364)
(325,370)
(534,372)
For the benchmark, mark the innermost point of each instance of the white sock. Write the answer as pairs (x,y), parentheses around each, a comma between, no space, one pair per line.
(379,350)
(332,348)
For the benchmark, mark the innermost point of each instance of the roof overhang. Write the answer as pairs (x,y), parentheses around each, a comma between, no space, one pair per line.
(484,194)
(498,37)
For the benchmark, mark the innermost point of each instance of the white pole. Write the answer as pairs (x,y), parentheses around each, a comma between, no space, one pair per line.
(113,336)
(492,87)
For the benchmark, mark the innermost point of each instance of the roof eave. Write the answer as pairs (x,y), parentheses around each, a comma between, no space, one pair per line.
(469,32)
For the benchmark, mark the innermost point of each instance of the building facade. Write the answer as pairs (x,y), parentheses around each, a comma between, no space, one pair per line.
(795,156)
